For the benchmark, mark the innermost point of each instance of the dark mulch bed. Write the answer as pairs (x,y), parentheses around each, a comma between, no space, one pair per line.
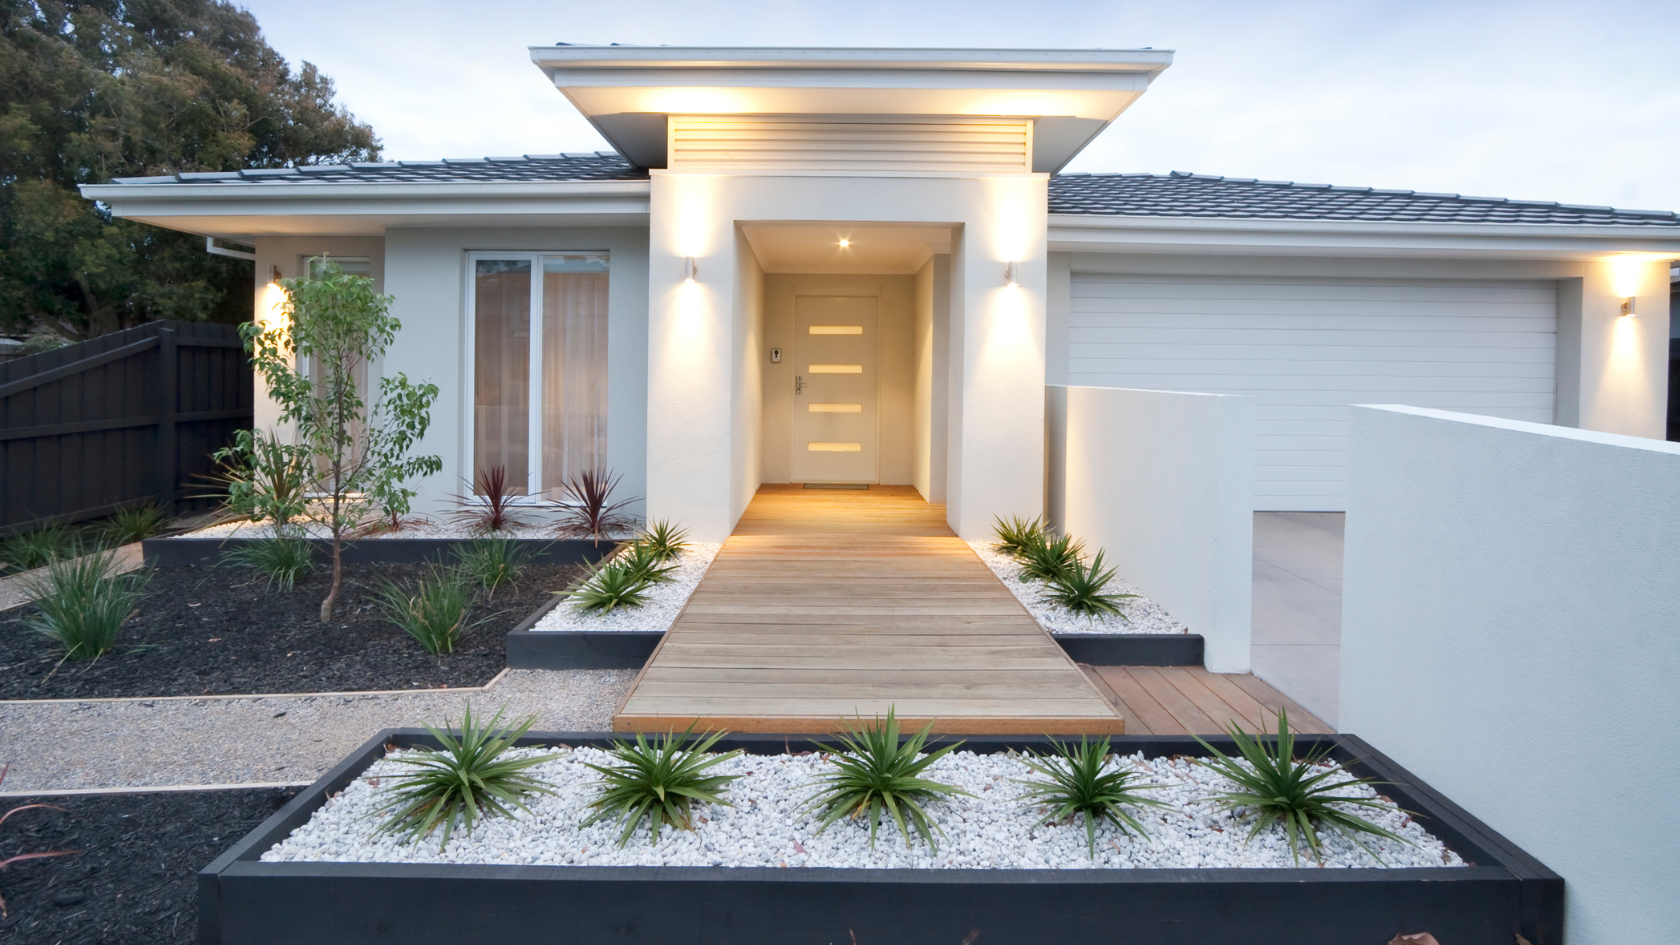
(212,631)
(134,882)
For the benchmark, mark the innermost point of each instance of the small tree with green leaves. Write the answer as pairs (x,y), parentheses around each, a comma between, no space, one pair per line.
(356,453)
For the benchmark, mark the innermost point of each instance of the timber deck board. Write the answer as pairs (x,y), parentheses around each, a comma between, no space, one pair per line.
(828,605)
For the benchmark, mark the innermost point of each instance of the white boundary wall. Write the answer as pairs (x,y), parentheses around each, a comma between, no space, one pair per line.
(1164,483)
(1511,634)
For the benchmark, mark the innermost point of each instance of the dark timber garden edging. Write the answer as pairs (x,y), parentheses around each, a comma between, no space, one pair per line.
(1504,893)
(180,552)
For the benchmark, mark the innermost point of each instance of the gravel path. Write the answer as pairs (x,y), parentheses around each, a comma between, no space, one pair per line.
(1143,615)
(664,601)
(257,739)
(766,826)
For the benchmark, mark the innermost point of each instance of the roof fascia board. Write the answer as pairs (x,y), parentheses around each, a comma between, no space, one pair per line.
(838,79)
(1134,234)
(279,191)
(667,58)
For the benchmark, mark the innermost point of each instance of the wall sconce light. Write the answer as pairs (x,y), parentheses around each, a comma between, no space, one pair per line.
(689,269)
(1009,275)
(1627,307)
(844,242)
(274,275)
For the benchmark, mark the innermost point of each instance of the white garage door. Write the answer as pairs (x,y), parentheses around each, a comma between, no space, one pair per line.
(1308,348)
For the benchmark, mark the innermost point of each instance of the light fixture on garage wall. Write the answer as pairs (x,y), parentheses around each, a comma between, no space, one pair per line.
(1009,275)
(1627,307)
(689,269)
(274,275)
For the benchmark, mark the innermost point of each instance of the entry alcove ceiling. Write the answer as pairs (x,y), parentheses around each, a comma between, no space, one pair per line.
(878,249)
(629,92)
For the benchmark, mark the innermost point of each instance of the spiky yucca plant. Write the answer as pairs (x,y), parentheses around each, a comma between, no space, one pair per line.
(1078,782)
(1080,588)
(874,772)
(642,559)
(666,539)
(607,586)
(1046,558)
(1016,533)
(1300,794)
(465,781)
(662,781)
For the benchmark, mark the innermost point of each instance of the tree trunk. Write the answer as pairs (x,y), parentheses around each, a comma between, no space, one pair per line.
(338,578)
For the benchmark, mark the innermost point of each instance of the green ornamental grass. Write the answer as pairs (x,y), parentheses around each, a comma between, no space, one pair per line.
(82,604)
(465,781)
(1016,534)
(662,782)
(1300,794)
(493,562)
(875,772)
(37,548)
(1079,782)
(132,525)
(666,540)
(435,612)
(1080,588)
(282,558)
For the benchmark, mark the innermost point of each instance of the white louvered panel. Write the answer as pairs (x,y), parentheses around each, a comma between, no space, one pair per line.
(1308,348)
(929,145)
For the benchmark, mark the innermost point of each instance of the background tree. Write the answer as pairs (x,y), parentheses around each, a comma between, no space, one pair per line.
(96,89)
(353,456)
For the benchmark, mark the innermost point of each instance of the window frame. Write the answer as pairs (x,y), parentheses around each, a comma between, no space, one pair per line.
(533,423)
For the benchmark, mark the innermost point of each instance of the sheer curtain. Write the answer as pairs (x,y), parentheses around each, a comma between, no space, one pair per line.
(569,359)
(502,369)
(574,372)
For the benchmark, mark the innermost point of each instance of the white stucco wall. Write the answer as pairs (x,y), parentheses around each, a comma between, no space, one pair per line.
(426,273)
(747,412)
(1613,371)
(931,357)
(1163,482)
(996,351)
(1511,634)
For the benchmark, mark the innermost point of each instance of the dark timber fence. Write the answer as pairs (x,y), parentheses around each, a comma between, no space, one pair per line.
(125,419)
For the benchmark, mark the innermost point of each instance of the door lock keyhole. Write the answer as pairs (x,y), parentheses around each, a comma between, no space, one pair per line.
(798,384)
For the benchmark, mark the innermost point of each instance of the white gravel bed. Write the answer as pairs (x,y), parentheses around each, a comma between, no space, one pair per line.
(1143,615)
(664,601)
(766,827)
(417,528)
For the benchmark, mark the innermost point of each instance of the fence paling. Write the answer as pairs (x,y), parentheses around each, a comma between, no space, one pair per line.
(118,421)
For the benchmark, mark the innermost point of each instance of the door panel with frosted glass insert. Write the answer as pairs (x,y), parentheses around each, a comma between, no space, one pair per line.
(557,361)
(834,402)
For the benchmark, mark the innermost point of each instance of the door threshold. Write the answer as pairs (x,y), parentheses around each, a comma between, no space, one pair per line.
(837,485)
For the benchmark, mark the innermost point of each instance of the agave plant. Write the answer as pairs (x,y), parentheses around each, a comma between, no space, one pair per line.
(1300,794)
(644,560)
(608,586)
(1047,558)
(875,772)
(666,539)
(1080,588)
(589,510)
(1078,782)
(1016,534)
(490,508)
(465,781)
(662,782)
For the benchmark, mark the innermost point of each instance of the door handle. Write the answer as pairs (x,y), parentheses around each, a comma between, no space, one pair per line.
(798,384)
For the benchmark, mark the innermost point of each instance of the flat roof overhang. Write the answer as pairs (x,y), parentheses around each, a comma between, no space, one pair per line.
(629,92)
(241,211)
(1093,233)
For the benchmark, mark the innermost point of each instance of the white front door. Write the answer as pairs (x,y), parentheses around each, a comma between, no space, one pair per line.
(834,419)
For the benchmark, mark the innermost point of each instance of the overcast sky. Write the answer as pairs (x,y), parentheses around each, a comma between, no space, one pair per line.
(1577,102)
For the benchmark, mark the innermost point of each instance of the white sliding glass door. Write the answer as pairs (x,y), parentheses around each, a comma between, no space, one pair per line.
(539,337)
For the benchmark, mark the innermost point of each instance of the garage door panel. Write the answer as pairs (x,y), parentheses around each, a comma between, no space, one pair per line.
(1308,348)
(1098,285)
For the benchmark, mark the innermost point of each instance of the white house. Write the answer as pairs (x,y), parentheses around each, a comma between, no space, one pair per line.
(862,265)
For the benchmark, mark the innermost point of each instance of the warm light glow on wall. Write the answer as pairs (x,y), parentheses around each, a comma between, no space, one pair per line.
(271,310)
(1013,209)
(694,199)
(694,101)
(1627,272)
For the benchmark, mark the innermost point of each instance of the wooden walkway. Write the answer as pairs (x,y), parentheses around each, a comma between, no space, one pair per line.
(826,604)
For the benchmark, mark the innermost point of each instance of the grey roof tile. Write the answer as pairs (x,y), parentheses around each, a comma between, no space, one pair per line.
(1182,194)
(526,168)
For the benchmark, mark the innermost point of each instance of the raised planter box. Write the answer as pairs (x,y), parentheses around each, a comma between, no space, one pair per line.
(1504,893)
(183,552)
(528,649)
